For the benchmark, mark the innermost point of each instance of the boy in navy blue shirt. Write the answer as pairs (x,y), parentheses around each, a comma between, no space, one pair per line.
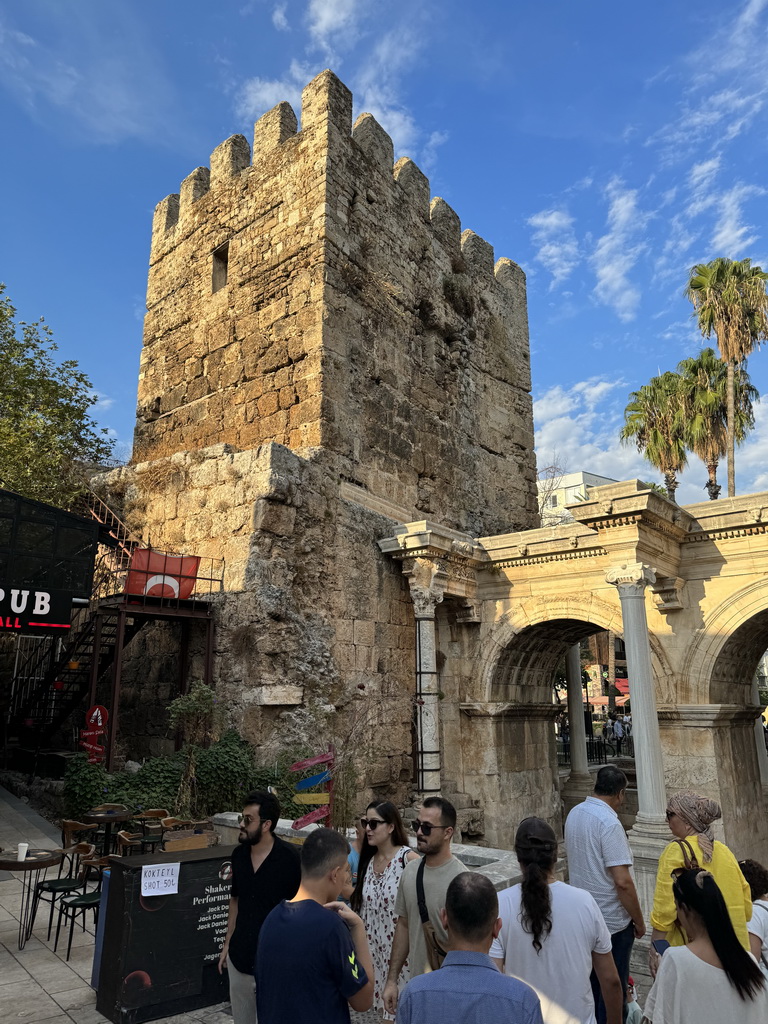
(313,961)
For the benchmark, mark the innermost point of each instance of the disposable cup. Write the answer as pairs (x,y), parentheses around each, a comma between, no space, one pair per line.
(22,854)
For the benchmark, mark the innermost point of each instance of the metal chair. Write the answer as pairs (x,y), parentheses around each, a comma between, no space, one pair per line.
(73,831)
(57,888)
(72,905)
(127,842)
(151,827)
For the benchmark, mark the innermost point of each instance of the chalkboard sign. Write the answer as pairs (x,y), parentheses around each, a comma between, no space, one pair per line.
(160,953)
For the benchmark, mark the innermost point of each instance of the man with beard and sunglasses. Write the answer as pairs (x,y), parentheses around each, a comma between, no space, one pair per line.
(434,830)
(265,871)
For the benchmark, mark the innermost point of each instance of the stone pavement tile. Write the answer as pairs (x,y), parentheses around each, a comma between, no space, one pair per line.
(11,971)
(78,997)
(26,1001)
(86,1015)
(211,1015)
(51,973)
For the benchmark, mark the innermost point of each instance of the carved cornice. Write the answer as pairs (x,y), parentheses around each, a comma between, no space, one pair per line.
(705,716)
(551,556)
(727,532)
(503,709)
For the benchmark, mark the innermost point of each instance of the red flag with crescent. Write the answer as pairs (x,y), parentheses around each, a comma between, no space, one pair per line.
(155,574)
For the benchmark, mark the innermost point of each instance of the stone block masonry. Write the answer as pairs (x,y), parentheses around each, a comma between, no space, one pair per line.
(315,297)
(326,353)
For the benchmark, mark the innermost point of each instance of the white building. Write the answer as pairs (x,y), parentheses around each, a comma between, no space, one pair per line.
(557,492)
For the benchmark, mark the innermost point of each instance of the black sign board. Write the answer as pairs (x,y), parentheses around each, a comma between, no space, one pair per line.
(160,953)
(33,610)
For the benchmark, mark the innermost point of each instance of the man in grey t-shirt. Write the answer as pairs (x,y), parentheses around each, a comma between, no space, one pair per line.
(599,860)
(434,830)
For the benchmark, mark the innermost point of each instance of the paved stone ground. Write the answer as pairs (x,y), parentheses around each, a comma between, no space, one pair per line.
(38,985)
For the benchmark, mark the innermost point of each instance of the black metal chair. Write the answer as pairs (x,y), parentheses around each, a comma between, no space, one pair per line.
(52,889)
(70,906)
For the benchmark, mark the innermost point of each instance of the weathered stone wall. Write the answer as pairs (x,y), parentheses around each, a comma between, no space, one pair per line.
(356,316)
(362,363)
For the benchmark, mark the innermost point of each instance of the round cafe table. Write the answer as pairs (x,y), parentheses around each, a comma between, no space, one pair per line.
(107,819)
(36,864)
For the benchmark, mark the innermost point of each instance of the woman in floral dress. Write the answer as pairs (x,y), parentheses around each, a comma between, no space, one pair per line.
(383,855)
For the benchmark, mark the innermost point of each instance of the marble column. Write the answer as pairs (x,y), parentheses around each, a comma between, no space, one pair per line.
(579,764)
(762,753)
(426,579)
(631,581)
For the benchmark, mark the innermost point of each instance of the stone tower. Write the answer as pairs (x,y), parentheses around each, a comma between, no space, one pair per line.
(314,297)
(325,352)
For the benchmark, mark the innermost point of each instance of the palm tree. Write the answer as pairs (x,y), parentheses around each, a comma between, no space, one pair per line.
(653,419)
(729,299)
(704,397)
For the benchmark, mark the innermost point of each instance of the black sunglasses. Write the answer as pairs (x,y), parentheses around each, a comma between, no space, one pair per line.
(425,828)
(371,822)
(246,819)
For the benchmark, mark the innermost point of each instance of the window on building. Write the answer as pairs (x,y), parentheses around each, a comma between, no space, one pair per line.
(552,501)
(220,267)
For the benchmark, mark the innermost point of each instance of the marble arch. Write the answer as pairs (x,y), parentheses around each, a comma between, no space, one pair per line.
(687,587)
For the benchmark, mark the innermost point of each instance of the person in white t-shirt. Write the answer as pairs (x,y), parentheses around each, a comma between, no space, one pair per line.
(713,979)
(600,861)
(757,926)
(553,935)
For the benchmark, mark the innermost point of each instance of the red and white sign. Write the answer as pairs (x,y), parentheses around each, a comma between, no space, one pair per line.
(96,719)
(313,816)
(155,574)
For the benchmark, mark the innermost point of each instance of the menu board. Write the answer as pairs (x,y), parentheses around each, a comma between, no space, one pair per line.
(160,953)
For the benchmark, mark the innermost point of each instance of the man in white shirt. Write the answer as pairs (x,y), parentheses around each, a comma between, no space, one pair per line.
(600,861)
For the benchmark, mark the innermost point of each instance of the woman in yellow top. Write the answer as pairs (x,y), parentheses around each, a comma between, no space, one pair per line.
(690,818)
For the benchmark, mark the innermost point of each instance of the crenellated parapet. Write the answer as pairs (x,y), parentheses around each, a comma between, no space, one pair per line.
(310,291)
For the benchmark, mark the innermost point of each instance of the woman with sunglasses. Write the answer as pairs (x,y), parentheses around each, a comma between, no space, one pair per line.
(690,818)
(713,978)
(383,856)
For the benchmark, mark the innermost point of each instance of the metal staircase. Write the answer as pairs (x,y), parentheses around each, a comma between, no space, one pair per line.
(53,679)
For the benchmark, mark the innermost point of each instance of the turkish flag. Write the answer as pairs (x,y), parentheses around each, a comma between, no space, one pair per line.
(155,574)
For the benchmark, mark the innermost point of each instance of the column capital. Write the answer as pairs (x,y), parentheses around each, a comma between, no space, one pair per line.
(633,576)
(427,580)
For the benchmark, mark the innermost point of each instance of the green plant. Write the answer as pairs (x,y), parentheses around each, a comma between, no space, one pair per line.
(197,714)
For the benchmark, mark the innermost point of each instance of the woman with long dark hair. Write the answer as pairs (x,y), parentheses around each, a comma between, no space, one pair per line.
(712,979)
(553,935)
(383,856)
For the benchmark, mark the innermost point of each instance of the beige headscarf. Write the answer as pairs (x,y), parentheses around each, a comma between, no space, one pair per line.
(699,812)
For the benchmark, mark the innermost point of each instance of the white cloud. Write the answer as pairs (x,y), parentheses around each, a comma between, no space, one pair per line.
(583,428)
(102,402)
(333,24)
(428,159)
(257,95)
(731,236)
(557,248)
(279,18)
(618,250)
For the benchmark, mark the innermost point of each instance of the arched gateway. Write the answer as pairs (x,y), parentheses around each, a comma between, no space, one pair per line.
(687,588)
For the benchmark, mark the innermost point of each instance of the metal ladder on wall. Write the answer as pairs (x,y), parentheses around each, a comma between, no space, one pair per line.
(53,678)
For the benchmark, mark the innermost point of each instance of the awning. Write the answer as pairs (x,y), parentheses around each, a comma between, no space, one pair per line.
(601,702)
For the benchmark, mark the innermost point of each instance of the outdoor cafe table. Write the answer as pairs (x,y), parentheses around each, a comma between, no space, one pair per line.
(37,862)
(107,819)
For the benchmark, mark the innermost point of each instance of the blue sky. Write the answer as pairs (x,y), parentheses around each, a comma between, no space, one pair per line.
(604,146)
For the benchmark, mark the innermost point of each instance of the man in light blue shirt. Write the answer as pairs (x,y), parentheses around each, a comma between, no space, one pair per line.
(469,988)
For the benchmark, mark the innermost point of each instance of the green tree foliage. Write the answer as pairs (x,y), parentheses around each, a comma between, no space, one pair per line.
(46,433)
(704,400)
(654,422)
(730,301)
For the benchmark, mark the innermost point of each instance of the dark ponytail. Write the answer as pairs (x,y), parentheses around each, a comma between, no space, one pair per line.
(698,891)
(536,901)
